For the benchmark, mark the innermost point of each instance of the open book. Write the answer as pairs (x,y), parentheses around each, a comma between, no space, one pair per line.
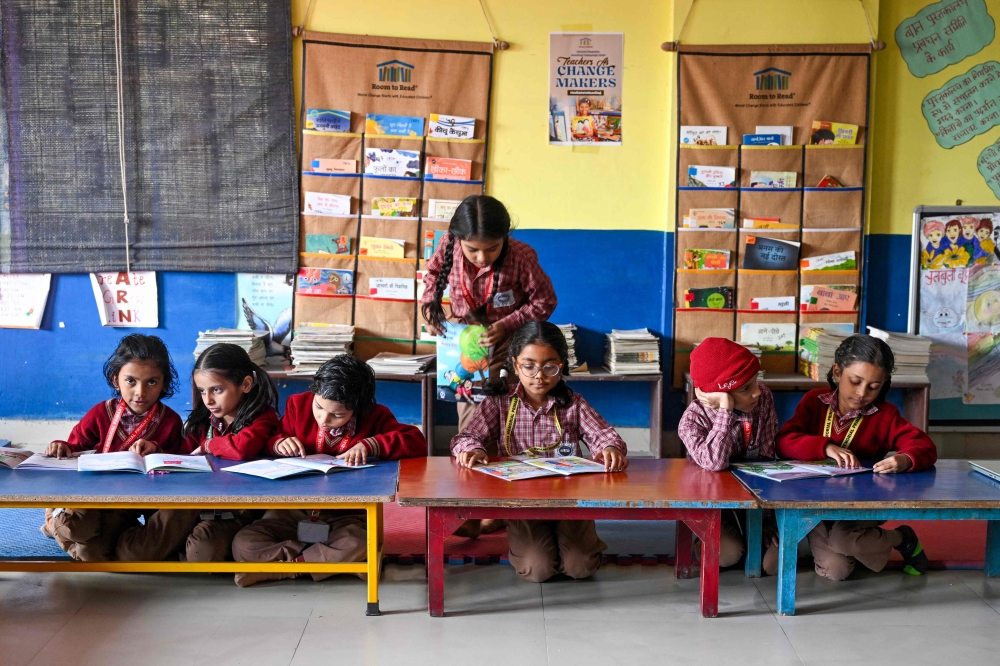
(129,461)
(790,470)
(22,459)
(516,470)
(11,457)
(318,463)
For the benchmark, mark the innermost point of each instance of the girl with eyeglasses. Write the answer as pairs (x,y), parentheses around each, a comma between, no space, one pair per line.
(541,416)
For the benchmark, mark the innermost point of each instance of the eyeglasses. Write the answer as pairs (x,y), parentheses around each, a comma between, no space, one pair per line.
(549,370)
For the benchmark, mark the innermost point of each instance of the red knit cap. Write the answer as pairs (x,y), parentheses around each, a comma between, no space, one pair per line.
(718,364)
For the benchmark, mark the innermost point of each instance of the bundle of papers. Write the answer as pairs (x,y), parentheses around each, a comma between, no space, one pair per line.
(755,350)
(318,463)
(912,353)
(816,349)
(790,470)
(129,461)
(635,352)
(516,470)
(391,363)
(568,331)
(251,341)
(315,344)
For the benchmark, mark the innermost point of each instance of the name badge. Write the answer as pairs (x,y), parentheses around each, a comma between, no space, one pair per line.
(504,299)
(566,449)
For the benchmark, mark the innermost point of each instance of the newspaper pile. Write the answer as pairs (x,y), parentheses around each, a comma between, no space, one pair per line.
(912,353)
(391,363)
(315,344)
(635,352)
(568,331)
(251,341)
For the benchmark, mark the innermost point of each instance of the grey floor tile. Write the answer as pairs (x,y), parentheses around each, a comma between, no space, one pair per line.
(873,643)
(23,635)
(47,593)
(261,641)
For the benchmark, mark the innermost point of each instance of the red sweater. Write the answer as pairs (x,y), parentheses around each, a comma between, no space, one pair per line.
(801,438)
(246,444)
(89,433)
(389,439)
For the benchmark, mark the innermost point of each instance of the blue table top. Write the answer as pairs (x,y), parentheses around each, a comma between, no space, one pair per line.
(65,489)
(949,484)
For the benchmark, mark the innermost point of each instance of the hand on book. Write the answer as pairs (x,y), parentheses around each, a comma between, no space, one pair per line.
(893,464)
(473,457)
(356,455)
(614,460)
(718,400)
(58,450)
(494,335)
(144,447)
(290,447)
(844,458)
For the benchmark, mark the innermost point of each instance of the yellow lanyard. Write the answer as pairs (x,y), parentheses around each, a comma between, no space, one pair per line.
(853,430)
(535,451)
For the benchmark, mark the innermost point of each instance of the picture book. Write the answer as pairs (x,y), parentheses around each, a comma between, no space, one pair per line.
(785,131)
(715,298)
(790,470)
(582,128)
(130,461)
(321,203)
(770,254)
(11,457)
(328,120)
(703,135)
(382,248)
(318,463)
(327,244)
(773,303)
(711,176)
(828,181)
(712,218)
(773,179)
(69,464)
(401,289)
(532,468)
(698,259)
(394,207)
(805,292)
(823,298)
(762,139)
(324,165)
(391,162)
(325,282)
(441,209)
(827,133)
(839,261)
(447,168)
(769,337)
(451,127)
(462,363)
(608,126)
(767,223)
(380,123)
(431,239)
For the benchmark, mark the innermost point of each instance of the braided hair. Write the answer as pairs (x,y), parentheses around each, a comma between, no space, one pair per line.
(478,216)
(860,348)
(535,333)
(232,363)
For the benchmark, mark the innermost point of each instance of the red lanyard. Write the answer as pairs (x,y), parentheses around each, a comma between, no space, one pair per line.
(468,295)
(337,449)
(747,433)
(134,435)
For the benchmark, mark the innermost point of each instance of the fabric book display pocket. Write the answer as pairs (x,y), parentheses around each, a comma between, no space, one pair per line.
(464,152)
(323,152)
(769,159)
(322,241)
(386,299)
(687,280)
(330,194)
(705,239)
(767,290)
(769,250)
(845,164)
(820,242)
(722,159)
(383,191)
(783,205)
(774,333)
(690,328)
(323,309)
(832,208)
(394,228)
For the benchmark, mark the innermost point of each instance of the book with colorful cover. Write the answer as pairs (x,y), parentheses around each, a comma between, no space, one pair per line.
(767,223)
(328,244)
(327,165)
(838,261)
(699,259)
(770,254)
(711,176)
(448,168)
(791,470)
(762,139)
(822,298)
(773,179)
(532,468)
(786,132)
(382,248)
(441,209)
(451,127)
(381,123)
(325,282)
(392,162)
(715,298)
(394,207)
(769,336)
(431,239)
(711,218)
(462,363)
(827,133)
(582,128)
(805,291)
(703,135)
(321,203)
(328,120)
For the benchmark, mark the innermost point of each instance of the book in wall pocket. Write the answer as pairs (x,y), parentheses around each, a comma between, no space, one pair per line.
(705,156)
(318,147)
(846,164)
(761,290)
(769,158)
(775,333)
(769,256)
(343,190)
(708,239)
(444,151)
(686,280)
(392,228)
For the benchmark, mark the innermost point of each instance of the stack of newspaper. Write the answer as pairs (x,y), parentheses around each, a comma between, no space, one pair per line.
(391,363)
(315,344)
(568,333)
(755,350)
(251,341)
(912,353)
(816,349)
(634,352)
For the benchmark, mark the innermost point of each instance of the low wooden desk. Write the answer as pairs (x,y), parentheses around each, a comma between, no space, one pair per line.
(916,395)
(365,489)
(669,489)
(948,491)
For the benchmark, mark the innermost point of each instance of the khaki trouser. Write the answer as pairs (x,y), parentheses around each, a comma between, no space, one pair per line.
(182,534)
(89,535)
(540,549)
(837,545)
(274,538)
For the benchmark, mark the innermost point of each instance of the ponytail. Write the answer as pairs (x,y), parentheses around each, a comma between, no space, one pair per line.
(233,364)
(535,333)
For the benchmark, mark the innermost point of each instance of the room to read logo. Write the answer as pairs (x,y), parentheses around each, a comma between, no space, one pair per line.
(772,84)
(586,43)
(395,71)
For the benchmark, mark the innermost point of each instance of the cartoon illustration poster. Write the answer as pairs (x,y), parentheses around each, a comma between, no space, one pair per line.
(982,314)
(959,241)
(943,294)
(462,364)
(264,303)
(585,87)
(984,369)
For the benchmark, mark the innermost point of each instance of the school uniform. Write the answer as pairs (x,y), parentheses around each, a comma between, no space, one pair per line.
(871,433)
(539,549)
(524,293)
(274,538)
(183,533)
(714,438)
(90,535)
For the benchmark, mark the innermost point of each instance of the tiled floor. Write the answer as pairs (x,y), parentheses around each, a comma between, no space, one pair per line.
(624,615)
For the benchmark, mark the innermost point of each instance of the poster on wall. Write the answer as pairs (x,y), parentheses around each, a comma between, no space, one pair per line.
(984,369)
(264,303)
(989,169)
(965,106)
(22,299)
(585,88)
(959,241)
(982,314)
(944,33)
(126,299)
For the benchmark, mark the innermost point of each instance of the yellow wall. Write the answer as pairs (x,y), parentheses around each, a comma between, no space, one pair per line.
(909,167)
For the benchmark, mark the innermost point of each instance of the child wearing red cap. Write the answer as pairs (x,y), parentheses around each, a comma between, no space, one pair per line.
(733,418)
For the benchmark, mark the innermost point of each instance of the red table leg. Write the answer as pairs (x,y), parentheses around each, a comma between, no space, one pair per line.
(710,534)
(441,523)
(682,558)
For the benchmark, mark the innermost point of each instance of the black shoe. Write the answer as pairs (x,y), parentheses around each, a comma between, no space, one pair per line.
(915,560)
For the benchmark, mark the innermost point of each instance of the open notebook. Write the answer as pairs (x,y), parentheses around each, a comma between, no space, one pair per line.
(318,463)
(532,468)
(790,470)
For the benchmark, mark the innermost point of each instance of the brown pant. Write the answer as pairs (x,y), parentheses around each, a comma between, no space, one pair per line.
(274,538)
(837,546)
(539,549)
(182,534)
(89,535)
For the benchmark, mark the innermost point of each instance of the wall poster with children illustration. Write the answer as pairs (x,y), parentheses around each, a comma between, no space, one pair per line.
(585,87)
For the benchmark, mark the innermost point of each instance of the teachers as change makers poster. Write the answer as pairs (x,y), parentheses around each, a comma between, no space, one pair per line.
(585,87)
